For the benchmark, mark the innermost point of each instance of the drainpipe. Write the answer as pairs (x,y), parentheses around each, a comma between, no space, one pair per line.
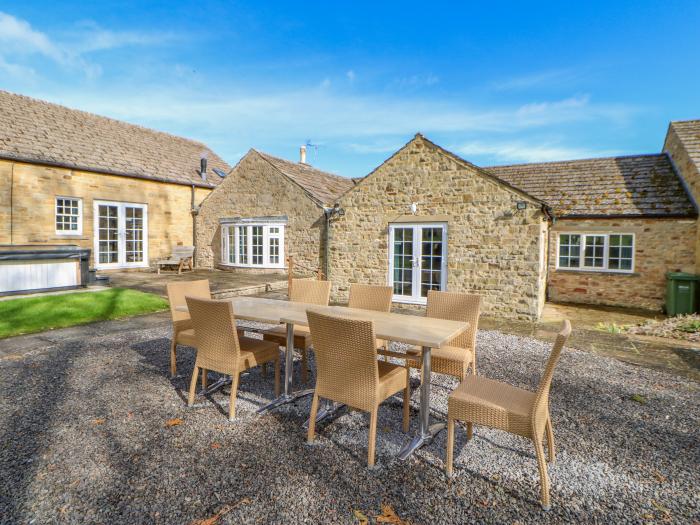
(329,214)
(194,211)
(12,208)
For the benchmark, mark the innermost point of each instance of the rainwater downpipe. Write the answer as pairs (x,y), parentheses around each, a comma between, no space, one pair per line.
(194,211)
(12,208)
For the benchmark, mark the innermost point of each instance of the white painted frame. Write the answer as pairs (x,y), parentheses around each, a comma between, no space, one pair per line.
(417,260)
(121,235)
(64,233)
(606,252)
(266,264)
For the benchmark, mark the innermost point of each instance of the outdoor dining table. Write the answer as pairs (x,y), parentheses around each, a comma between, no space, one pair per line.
(425,332)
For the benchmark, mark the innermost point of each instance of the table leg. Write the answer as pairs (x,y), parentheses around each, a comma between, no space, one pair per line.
(427,431)
(288,396)
(330,408)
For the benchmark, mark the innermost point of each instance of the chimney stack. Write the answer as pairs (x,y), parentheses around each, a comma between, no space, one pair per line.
(203,166)
(302,155)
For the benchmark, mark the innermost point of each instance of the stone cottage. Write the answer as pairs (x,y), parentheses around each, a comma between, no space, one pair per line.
(427,219)
(265,210)
(597,231)
(123,191)
(619,225)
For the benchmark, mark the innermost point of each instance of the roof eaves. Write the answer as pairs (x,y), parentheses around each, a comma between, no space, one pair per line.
(56,164)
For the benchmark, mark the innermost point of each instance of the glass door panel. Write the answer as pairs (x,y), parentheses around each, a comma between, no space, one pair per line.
(121,234)
(134,234)
(431,259)
(403,262)
(418,261)
(108,234)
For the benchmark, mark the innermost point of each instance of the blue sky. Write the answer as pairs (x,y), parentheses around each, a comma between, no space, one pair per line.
(495,82)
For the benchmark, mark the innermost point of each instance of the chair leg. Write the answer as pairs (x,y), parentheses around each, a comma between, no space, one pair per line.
(193,386)
(372,436)
(474,364)
(407,402)
(235,377)
(551,449)
(263,369)
(173,357)
(470,430)
(312,420)
(450,444)
(544,480)
(277,376)
(304,366)
(205,378)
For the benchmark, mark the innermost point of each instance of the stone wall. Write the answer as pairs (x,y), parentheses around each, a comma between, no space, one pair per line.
(690,173)
(35,188)
(661,246)
(493,249)
(256,189)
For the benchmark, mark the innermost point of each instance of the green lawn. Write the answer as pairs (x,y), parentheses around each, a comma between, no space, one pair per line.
(36,314)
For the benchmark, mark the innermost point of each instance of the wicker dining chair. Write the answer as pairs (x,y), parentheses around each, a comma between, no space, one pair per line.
(220,349)
(482,401)
(302,291)
(347,371)
(183,333)
(459,355)
(371,297)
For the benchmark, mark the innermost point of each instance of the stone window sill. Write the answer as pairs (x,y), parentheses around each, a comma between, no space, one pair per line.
(596,272)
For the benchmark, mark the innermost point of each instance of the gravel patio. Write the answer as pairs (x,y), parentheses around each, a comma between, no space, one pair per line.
(93,430)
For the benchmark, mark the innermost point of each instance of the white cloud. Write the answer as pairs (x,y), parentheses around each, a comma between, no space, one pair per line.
(351,75)
(19,39)
(528,151)
(17,36)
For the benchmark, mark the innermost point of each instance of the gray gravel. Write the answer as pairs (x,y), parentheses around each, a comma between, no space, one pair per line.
(84,439)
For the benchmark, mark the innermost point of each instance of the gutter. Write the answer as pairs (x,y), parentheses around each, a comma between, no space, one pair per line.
(65,165)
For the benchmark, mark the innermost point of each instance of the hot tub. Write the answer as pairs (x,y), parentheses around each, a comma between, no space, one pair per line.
(41,268)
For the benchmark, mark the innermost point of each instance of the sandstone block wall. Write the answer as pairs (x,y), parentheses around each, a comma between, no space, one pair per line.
(255,189)
(661,246)
(689,172)
(492,249)
(35,188)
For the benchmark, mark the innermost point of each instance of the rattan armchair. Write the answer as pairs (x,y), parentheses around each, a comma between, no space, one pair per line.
(347,371)
(220,349)
(183,333)
(459,356)
(481,401)
(302,291)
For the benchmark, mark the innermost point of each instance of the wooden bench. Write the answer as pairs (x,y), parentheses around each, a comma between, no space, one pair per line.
(181,256)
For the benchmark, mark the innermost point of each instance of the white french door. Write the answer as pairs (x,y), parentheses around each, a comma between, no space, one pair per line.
(417,260)
(121,234)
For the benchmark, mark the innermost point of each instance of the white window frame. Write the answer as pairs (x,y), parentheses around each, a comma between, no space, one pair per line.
(77,232)
(121,240)
(225,244)
(417,230)
(606,252)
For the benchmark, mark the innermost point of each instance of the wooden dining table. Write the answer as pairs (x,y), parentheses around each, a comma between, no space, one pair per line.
(424,332)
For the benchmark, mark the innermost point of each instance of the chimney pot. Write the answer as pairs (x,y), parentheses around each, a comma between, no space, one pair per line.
(302,155)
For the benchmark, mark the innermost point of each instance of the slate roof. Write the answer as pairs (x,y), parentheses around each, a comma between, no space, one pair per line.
(688,132)
(323,187)
(36,131)
(636,185)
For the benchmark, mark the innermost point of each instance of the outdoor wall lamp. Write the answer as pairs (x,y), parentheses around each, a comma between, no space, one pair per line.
(521,205)
(335,211)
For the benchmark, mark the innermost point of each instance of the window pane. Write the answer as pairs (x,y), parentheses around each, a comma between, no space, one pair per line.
(257,246)
(242,244)
(569,250)
(593,255)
